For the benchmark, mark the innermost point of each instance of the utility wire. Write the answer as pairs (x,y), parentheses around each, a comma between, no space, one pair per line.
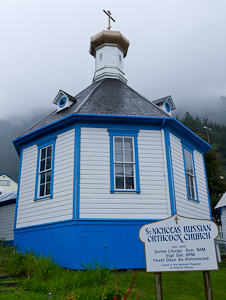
(213,114)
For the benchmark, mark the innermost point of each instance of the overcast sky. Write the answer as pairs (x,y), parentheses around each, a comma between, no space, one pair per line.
(177,47)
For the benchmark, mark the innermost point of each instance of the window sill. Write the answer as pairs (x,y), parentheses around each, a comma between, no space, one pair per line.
(194,200)
(45,197)
(125,191)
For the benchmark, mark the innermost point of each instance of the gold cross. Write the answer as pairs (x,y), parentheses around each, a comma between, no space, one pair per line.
(109,18)
(176,219)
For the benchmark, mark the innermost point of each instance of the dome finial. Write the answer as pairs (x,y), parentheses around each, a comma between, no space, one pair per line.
(109,18)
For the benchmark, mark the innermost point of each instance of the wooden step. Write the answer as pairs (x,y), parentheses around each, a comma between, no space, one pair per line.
(7,276)
(9,283)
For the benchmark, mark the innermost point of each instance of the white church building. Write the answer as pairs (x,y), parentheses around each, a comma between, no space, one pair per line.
(105,162)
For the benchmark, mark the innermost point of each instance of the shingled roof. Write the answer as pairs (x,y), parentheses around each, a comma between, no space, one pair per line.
(105,97)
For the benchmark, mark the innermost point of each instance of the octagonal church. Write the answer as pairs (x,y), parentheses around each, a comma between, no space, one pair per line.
(105,162)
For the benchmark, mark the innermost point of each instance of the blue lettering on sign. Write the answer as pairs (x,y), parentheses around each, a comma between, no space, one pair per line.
(197,228)
(165,238)
(174,233)
(197,236)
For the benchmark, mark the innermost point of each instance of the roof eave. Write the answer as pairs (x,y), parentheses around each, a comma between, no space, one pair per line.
(73,117)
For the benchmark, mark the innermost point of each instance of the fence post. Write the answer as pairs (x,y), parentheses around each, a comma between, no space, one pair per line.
(207,282)
(158,286)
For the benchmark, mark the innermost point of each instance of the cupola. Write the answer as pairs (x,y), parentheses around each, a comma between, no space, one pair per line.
(109,49)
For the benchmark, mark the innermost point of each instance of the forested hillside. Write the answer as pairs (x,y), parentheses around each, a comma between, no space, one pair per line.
(217,133)
(10,130)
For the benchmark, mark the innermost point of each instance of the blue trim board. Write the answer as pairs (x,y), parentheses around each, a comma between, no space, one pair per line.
(71,222)
(207,187)
(196,188)
(17,198)
(67,121)
(111,164)
(189,140)
(76,197)
(170,173)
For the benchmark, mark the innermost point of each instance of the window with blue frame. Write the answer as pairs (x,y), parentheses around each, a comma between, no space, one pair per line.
(190,175)
(44,187)
(124,161)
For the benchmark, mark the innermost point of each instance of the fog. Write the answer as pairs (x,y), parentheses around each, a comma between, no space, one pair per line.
(176,48)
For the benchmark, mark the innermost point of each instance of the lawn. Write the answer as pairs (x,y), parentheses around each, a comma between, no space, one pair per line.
(40,279)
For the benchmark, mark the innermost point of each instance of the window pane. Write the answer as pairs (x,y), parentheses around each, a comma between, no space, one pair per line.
(48,163)
(47,188)
(42,178)
(129,169)
(128,155)
(186,155)
(48,177)
(49,151)
(129,183)
(119,182)
(128,143)
(42,165)
(42,186)
(189,181)
(192,193)
(190,158)
(118,143)
(119,169)
(191,169)
(43,153)
(5,182)
(119,155)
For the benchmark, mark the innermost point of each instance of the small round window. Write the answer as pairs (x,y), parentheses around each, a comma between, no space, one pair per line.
(62,102)
(167,106)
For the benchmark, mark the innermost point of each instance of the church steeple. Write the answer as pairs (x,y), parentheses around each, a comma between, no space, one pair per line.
(109,49)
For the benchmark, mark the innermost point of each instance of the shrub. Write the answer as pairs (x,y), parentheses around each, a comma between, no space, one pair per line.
(27,265)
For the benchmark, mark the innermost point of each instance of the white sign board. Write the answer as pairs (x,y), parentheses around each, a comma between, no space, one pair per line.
(180,244)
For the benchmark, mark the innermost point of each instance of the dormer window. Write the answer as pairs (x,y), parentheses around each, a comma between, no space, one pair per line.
(62,102)
(101,56)
(167,106)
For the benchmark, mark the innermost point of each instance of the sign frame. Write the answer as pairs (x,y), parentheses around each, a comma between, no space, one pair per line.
(177,218)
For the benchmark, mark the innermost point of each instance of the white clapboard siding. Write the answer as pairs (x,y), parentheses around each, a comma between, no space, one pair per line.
(185,207)
(110,57)
(96,201)
(47,210)
(7,216)
(223,221)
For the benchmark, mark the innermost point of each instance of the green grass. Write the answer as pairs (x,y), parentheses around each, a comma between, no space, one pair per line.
(40,276)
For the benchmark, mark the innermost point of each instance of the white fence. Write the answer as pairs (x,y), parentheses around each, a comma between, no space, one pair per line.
(220,237)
